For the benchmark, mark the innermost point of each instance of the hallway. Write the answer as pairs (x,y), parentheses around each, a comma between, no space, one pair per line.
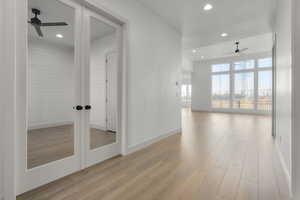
(217,157)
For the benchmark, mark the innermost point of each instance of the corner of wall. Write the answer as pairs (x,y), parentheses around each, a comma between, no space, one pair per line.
(285,169)
(148,142)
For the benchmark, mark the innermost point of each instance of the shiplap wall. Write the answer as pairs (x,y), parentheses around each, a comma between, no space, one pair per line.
(51,91)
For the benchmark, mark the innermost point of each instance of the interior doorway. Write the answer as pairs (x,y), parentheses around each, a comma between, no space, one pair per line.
(71,85)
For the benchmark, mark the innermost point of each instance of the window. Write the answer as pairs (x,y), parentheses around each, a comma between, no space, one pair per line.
(242,85)
(264,98)
(221,91)
(221,68)
(265,62)
(244,90)
(242,65)
(186,94)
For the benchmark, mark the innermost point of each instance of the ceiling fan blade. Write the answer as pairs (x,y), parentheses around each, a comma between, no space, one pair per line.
(54,24)
(38,30)
(243,50)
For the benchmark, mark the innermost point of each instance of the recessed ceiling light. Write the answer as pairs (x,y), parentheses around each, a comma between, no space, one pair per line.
(224,34)
(202,57)
(194,51)
(207,7)
(59,36)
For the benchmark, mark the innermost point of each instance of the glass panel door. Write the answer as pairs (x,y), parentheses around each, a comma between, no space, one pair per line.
(101,89)
(221,91)
(264,98)
(243,90)
(49,146)
(51,50)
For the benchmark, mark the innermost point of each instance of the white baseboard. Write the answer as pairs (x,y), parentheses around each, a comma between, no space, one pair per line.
(148,142)
(285,170)
(96,126)
(49,125)
(232,111)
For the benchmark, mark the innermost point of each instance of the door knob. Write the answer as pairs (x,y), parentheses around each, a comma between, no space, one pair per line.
(78,107)
(88,107)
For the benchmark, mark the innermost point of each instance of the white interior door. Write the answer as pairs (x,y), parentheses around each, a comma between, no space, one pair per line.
(49,137)
(62,111)
(111,91)
(102,37)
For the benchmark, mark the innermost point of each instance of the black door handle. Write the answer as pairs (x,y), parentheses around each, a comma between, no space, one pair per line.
(78,107)
(88,107)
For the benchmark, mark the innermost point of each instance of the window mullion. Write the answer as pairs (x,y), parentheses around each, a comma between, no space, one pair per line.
(231,85)
(256,85)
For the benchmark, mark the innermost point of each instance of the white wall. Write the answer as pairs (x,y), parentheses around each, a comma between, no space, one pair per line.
(99,50)
(284,90)
(1,90)
(201,79)
(296,100)
(154,68)
(51,84)
(201,86)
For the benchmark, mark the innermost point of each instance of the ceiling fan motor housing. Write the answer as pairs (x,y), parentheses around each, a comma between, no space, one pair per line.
(35,19)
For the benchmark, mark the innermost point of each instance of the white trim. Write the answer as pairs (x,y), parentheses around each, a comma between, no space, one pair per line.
(49,125)
(231,111)
(285,169)
(148,142)
(9,129)
(295,139)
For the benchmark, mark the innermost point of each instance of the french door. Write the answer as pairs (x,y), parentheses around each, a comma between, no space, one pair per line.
(64,113)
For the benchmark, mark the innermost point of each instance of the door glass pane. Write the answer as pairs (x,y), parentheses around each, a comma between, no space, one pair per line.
(242,65)
(221,91)
(264,99)
(243,90)
(103,84)
(50,134)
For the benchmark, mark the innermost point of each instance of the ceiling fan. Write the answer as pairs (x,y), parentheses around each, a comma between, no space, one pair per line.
(37,23)
(238,50)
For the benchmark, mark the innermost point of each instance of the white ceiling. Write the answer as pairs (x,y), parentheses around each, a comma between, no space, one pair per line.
(238,18)
(54,11)
(255,44)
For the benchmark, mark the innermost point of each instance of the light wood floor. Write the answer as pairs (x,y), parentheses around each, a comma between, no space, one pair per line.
(50,144)
(217,157)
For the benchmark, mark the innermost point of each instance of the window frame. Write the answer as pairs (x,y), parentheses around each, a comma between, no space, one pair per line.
(232,71)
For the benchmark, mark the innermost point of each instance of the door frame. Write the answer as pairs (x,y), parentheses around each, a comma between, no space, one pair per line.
(15,59)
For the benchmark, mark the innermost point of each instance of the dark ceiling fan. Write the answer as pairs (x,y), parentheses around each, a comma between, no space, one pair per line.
(37,23)
(238,50)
